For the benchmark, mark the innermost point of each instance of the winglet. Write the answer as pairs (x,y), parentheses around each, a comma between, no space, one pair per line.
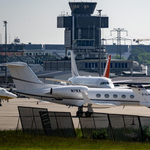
(107,68)
(86,99)
(74,69)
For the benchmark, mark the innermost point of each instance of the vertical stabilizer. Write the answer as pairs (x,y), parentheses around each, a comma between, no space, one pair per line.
(73,66)
(107,68)
(23,77)
(141,93)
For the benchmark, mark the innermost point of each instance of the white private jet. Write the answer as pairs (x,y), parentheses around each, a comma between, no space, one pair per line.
(90,81)
(29,85)
(5,95)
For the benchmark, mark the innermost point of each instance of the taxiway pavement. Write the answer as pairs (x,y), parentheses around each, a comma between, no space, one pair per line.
(9,111)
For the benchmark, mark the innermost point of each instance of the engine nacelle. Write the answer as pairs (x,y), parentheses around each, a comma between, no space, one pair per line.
(69,91)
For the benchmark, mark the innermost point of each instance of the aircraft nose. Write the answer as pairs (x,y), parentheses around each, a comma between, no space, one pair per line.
(14,95)
(109,86)
(11,95)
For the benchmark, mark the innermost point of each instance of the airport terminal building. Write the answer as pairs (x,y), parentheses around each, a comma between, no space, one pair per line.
(82,35)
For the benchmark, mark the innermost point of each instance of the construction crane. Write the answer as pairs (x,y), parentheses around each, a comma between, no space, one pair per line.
(139,40)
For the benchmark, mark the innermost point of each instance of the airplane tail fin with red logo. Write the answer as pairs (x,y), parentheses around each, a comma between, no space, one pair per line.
(107,68)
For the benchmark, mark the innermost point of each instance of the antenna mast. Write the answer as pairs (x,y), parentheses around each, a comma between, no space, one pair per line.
(119,30)
(5,25)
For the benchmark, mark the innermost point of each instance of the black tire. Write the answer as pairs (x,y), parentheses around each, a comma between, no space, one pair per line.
(79,114)
(88,114)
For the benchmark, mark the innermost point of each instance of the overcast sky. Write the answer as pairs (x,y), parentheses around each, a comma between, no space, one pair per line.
(35,21)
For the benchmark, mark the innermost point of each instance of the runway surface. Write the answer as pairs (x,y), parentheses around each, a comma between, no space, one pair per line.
(9,111)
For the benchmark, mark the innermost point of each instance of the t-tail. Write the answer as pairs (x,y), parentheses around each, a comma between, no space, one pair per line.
(23,77)
(107,68)
(74,69)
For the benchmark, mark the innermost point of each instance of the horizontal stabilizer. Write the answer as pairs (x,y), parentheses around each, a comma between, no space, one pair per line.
(14,64)
(58,80)
(122,82)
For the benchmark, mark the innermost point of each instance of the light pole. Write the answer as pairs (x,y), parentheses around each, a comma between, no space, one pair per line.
(99,11)
(5,24)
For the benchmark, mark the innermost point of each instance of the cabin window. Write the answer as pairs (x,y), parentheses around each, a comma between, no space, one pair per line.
(123,96)
(86,65)
(89,65)
(92,65)
(106,95)
(96,65)
(115,95)
(110,65)
(103,65)
(98,95)
(131,96)
(116,65)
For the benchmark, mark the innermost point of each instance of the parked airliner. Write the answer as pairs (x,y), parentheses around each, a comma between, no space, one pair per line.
(90,81)
(28,84)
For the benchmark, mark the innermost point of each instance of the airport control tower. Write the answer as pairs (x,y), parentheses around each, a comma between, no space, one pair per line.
(82,29)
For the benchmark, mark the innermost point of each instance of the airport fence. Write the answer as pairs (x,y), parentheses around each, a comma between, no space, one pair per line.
(116,127)
(31,120)
(41,122)
(58,124)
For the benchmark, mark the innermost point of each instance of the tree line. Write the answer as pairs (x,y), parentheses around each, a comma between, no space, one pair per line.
(139,55)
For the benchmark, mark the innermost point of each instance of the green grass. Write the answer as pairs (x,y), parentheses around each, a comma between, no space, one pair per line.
(17,140)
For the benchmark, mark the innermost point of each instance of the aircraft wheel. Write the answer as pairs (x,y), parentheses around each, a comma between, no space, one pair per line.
(79,113)
(88,114)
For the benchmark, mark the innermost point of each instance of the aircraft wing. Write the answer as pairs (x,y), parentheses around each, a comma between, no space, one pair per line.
(58,80)
(122,82)
(100,104)
(146,86)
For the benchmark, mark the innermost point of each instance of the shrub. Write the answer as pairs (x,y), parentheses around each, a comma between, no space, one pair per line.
(100,135)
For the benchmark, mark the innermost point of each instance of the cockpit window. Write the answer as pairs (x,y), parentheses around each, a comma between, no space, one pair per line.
(104,83)
(3,90)
(98,95)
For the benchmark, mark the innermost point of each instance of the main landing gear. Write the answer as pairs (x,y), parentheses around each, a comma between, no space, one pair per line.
(80,112)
